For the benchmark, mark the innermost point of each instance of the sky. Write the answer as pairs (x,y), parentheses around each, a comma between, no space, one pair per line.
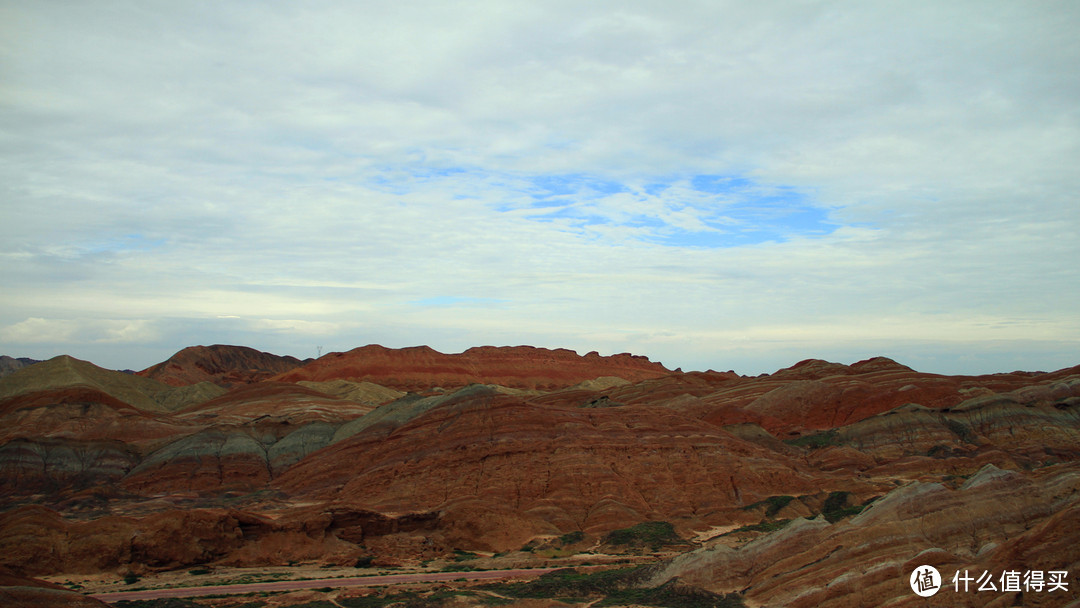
(713,185)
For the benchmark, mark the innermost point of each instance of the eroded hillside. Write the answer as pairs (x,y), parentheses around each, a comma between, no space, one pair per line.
(820,484)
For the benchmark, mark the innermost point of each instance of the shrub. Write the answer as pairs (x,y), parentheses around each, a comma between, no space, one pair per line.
(173,602)
(569,582)
(672,596)
(461,556)
(572,537)
(961,430)
(652,533)
(815,441)
(765,526)
(837,507)
(615,588)
(773,504)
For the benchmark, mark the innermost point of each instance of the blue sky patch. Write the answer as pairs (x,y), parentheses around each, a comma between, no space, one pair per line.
(698,211)
(719,184)
(548,186)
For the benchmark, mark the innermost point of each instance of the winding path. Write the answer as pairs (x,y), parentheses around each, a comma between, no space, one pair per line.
(353,581)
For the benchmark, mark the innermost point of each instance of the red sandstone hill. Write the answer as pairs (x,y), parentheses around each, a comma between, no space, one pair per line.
(221,364)
(109,472)
(420,368)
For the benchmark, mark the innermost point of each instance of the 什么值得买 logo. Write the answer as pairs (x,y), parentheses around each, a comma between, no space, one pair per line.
(925,581)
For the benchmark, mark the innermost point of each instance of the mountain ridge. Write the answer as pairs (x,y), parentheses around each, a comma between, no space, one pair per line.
(496,449)
(524,367)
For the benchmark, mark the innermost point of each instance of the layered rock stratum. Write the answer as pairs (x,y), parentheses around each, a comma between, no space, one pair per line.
(219,364)
(821,484)
(420,368)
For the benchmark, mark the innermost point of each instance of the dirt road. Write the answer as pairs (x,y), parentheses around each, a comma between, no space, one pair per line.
(355,581)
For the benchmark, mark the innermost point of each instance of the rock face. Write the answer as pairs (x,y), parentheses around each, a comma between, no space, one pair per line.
(40,541)
(220,364)
(63,372)
(67,424)
(39,596)
(409,454)
(245,438)
(421,368)
(552,468)
(990,523)
(10,365)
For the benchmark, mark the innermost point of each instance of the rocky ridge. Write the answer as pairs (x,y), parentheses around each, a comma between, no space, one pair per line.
(10,365)
(104,471)
(421,368)
(219,364)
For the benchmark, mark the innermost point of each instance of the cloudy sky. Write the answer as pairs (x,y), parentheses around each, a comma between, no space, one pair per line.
(725,185)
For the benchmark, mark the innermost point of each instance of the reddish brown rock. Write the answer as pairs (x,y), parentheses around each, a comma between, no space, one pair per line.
(243,439)
(220,364)
(485,467)
(58,440)
(993,521)
(65,373)
(274,402)
(421,368)
(40,597)
(562,468)
(817,395)
(24,592)
(82,413)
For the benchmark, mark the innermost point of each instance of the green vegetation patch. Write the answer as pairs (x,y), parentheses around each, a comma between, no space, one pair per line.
(773,504)
(170,602)
(765,526)
(415,599)
(816,440)
(572,537)
(614,588)
(961,430)
(458,567)
(570,582)
(651,533)
(379,601)
(461,556)
(672,596)
(838,506)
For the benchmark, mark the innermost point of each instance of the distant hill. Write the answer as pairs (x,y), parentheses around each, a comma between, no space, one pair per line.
(63,373)
(9,365)
(780,487)
(524,367)
(221,364)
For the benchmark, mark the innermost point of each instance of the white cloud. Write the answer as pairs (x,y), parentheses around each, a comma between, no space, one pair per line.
(298,326)
(321,166)
(36,330)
